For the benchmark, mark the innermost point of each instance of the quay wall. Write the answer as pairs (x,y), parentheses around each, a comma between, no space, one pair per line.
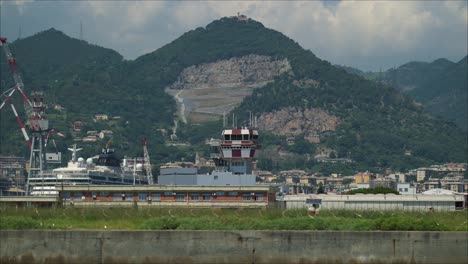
(167,246)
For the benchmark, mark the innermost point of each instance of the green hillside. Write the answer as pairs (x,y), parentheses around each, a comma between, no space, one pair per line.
(441,86)
(445,94)
(379,123)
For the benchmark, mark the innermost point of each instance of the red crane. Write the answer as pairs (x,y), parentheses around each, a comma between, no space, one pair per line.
(39,126)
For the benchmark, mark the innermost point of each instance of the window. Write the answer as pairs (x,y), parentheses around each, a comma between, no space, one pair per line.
(232,193)
(156,196)
(215,177)
(246,137)
(180,197)
(194,196)
(246,196)
(206,196)
(142,196)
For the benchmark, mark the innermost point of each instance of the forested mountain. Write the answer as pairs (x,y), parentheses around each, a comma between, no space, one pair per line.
(441,86)
(445,93)
(377,124)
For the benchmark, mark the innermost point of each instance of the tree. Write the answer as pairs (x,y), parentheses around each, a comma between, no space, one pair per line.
(320,189)
(347,181)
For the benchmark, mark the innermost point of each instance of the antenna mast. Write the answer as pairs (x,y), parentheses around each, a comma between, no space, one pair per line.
(81,30)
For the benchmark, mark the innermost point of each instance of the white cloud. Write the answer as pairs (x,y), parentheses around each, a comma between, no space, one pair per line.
(357,33)
(20,4)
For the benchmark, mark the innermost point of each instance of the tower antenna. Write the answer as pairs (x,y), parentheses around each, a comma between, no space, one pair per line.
(224,119)
(81,30)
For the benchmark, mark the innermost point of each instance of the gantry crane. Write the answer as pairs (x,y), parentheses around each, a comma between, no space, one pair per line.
(147,165)
(37,123)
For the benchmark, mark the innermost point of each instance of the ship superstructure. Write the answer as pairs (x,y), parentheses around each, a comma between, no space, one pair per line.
(106,170)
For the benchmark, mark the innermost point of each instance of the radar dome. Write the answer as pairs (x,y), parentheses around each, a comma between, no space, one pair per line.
(80,159)
(89,161)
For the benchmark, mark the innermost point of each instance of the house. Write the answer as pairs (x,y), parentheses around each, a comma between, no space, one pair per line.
(432,184)
(105,134)
(89,139)
(92,133)
(77,125)
(101,117)
(420,174)
(241,17)
(59,107)
(363,177)
(406,188)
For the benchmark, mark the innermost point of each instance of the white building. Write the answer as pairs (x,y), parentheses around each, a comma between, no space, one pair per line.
(406,188)
(417,202)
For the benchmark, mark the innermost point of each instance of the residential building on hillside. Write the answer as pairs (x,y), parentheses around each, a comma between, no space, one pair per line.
(77,125)
(431,184)
(420,174)
(363,177)
(388,183)
(101,117)
(406,188)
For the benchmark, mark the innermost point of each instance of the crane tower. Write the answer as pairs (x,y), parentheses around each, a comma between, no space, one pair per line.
(37,123)
(148,168)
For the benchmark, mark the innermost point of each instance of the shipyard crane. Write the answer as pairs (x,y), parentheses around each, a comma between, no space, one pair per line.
(147,165)
(37,123)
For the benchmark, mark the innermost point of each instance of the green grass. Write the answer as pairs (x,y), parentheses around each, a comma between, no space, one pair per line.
(227,219)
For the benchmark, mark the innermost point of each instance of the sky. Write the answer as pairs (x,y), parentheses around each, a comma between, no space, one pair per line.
(368,35)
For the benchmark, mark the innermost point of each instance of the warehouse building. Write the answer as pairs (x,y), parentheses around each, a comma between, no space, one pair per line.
(256,196)
(418,202)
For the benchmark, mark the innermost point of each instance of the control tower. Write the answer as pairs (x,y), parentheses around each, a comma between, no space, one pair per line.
(235,151)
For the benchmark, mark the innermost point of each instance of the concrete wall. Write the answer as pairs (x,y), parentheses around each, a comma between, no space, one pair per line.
(88,246)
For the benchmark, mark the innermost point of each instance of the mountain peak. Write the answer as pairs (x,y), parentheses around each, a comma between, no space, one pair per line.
(47,35)
(463,61)
(442,62)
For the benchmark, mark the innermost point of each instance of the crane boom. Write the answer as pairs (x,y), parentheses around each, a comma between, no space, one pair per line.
(19,85)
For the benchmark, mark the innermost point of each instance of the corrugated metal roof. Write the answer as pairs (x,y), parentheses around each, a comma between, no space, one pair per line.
(376,197)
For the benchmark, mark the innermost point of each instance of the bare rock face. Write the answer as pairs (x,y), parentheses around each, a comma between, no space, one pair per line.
(292,122)
(250,70)
(205,92)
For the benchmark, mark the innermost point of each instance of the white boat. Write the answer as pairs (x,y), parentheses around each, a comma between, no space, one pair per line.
(106,170)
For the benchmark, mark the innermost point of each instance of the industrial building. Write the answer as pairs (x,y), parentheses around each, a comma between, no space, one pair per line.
(193,196)
(418,202)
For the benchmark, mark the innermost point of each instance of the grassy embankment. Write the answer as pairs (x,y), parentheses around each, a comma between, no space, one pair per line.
(227,219)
